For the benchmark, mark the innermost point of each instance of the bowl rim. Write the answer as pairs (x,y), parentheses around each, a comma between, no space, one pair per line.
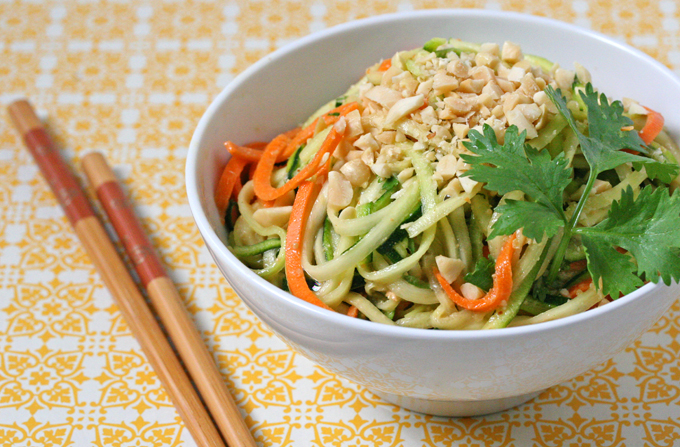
(213,242)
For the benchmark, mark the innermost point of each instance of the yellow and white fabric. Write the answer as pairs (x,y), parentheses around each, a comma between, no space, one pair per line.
(131,79)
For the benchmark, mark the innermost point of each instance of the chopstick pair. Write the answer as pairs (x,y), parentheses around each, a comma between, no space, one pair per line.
(222,416)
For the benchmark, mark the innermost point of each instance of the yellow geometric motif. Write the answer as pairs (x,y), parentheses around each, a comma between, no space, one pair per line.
(131,79)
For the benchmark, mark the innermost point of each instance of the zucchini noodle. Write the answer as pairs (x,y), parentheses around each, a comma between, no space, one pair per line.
(357,226)
(438,211)
(449,239)
(245,197)
(333,290)
(367,308)
(400,209)
(460,230)
(400,231)
(412,293)
(424,174)
(392,272)
(313,145)
(529,258)
(463,319)
(418,317)
(579,304)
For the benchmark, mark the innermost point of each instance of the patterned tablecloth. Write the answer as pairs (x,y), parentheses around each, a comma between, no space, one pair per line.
(131,79)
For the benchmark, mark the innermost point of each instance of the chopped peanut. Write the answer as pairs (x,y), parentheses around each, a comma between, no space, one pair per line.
(277,216)
(516,118)
(458,69)
(340,192)
(443,83)
(564,78)
(403,108)
(512,53)
(447,166)
(384,96)
(449,268)
(471,291)
(356,172)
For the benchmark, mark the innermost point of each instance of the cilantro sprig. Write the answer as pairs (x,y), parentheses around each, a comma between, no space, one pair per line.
(647,228)
(516,166)
(609,133)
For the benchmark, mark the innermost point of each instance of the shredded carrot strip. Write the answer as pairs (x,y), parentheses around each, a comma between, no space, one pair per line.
(263,173)
(253,151)
(251,170)
(265,167)
(245,152)
(238,184)
(230,178)
(292,132)
(385,65)
(295,275)
(259,145)
(502,283)
(353,311)
(578,265)
(580,287)
(652,127)
(308,132)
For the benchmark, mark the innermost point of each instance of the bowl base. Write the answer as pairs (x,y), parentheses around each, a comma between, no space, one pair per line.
(456,408)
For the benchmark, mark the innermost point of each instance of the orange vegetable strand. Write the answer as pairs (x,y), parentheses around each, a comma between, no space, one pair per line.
(653,126)
(259,145)
(308,132)
(295,275)
(580,287)
(262,178)
(385,65)
(231,176)
(265,166)
(502,283)
(251,170)
(245,152)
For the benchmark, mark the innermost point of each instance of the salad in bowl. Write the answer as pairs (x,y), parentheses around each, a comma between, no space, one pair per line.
(460,185)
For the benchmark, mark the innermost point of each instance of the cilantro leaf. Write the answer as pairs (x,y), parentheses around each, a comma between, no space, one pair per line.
(606,122)
(648,227)
(535,219)
(665,172)
(517,166)
(612,272)
(482,275)
(606,139)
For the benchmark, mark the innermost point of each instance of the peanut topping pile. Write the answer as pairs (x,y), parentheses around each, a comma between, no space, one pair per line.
(433,98)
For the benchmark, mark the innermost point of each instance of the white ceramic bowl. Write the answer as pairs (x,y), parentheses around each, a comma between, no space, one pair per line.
(439,372)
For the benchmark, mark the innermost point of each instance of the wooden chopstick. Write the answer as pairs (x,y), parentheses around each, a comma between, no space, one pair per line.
(115,275)
(167,303)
